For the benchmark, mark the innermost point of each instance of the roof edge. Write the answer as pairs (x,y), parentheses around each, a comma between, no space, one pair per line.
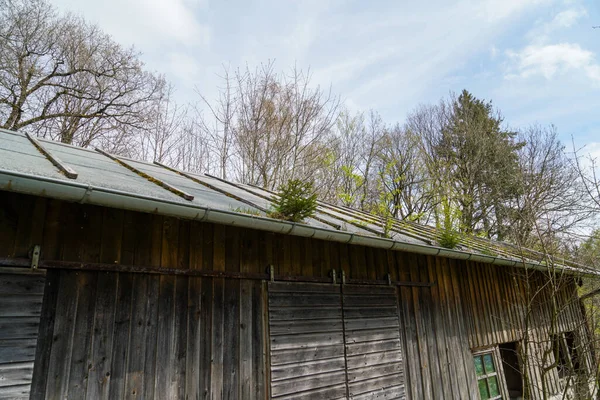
(86,194)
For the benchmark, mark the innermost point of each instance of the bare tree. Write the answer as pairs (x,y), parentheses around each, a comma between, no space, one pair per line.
(63,78)
(268,126)
(549,200)
(164,133)
(221,126)
(403,175)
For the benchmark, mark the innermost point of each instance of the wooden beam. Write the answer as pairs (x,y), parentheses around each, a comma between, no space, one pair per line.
(140,269)
(152,179)
(64,168)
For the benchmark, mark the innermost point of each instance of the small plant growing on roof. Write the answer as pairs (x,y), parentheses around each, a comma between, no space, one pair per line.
(297,201)
(449,235)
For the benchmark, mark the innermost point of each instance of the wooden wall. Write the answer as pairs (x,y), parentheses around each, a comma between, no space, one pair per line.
(20,305)
(469,306)
(119,335)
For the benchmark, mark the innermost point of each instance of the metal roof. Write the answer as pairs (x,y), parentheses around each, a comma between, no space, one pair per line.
(58,170)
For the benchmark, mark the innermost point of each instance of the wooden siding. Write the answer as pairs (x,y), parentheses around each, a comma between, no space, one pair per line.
(117,335)
(331,341)
(470,305)
(374,356)
(20,305)
(306,341)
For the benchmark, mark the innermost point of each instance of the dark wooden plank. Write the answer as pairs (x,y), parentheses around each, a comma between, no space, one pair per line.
(206,300)
(151,337)
(15,392)
(180,338)
(16,374)
(17,350)
(102,336)
(19,327)
(9,222)
(51,238)
(31,225)
(120,343)
(420,316)
(259,346)
(20,305)
(136,351)
(231,373)
(59,364)
(82,339)
(407,313)
(217,338)
(194,305)
(165,337)
(218,311)
(439,333)
(19,284)
(45,338)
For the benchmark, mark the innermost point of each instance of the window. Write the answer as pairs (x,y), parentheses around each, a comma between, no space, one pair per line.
(565,354)
(512,369)
(487,375)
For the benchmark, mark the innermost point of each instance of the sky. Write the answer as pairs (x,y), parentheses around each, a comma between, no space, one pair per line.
(537,60)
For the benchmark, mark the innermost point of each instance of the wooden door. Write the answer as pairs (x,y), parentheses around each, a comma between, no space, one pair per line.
(373,347)
(306,341)
(334,342)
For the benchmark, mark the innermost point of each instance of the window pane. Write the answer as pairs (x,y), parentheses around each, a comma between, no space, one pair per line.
(488,361)
(478,365)
(483,390)
(493,384)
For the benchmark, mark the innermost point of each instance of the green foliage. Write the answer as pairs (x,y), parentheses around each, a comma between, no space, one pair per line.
(449,232)
(589,251)
(478,158)
(352,183)
(297,200)
(381,208)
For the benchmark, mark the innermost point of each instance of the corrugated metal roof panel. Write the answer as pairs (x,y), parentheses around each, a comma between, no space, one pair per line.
(18,154)
(100,171)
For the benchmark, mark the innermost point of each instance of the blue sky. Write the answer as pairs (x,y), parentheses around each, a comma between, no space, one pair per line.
(538,60)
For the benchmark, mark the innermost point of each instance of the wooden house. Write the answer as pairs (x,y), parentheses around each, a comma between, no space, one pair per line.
(125,279)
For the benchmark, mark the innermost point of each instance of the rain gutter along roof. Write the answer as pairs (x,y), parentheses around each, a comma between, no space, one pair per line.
(87,194)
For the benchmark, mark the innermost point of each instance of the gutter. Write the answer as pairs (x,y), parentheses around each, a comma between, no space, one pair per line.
(86,194)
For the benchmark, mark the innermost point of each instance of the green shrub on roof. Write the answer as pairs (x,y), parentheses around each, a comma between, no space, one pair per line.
(297,201)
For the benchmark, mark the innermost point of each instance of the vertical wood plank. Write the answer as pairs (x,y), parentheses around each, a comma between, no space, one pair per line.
(102,336)
(120,345)
(193,368)
(218,313)
(59,365)
(82,339)
(45,335)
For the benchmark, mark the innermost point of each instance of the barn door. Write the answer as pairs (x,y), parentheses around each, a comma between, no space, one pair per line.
(307,341)
(334,342)
(372,336)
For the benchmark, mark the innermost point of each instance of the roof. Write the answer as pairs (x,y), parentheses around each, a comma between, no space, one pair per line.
(56,170)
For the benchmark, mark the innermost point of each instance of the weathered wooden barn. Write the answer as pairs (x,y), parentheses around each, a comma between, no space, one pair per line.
(125,279)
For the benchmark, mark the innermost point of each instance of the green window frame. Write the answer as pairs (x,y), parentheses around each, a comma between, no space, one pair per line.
(489,376)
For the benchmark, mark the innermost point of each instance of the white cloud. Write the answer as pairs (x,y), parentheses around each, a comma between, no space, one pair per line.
(144,23)
(543,30)
(552,60)
(567,18)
